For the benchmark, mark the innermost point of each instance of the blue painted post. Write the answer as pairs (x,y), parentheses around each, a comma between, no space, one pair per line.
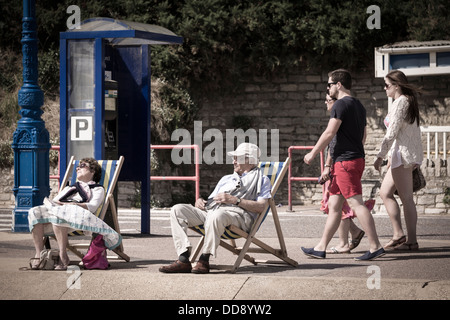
(31,143)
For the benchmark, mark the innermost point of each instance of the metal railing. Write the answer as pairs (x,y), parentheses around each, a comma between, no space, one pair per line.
(439,148)
(291,178)
(195,178)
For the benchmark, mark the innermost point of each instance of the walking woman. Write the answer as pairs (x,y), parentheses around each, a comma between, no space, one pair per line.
(403,146)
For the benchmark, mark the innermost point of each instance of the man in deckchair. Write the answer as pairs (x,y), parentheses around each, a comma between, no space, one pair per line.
(236,200)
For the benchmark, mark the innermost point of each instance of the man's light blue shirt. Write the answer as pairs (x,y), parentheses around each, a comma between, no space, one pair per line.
(230,181)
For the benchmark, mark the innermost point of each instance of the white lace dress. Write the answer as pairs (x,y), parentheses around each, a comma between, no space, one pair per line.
(402,141)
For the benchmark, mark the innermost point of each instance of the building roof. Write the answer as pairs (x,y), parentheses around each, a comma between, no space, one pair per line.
(121,32)
(417,44)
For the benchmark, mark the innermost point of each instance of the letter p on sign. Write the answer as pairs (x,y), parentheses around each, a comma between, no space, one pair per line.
(81,128)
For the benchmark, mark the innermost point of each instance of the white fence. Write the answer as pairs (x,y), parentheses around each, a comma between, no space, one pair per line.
(438,135)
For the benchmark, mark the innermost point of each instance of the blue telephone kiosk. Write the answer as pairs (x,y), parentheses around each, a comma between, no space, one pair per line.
(105,95)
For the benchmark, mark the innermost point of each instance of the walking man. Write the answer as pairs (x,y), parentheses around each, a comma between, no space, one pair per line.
(346,165)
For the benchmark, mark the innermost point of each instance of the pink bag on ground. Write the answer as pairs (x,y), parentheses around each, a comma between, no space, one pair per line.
(95,258)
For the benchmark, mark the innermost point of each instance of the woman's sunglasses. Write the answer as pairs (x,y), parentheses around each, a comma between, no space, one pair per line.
(83,165)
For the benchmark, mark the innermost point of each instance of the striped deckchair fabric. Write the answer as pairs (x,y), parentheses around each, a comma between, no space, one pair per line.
(227,234)
(110,174)
(275,171)
(271,169)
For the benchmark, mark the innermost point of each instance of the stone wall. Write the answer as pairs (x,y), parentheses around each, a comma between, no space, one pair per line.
(6,186)
(294,105)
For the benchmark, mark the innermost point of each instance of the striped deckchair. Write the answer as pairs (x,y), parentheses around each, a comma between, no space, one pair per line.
(275,171)
(110,174)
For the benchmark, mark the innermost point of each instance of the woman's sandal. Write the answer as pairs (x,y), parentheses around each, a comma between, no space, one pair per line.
(394,243)
(355,242)
(35,265)
(336,251)
(61,267)
(408,247)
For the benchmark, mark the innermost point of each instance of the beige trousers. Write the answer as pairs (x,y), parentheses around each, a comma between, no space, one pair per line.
(183,216)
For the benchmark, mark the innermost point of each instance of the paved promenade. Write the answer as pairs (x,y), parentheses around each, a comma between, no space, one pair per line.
(423,275)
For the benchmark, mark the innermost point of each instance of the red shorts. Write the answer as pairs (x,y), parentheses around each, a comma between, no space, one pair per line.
(347,178)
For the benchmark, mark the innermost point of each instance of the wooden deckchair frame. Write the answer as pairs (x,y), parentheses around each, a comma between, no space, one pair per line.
(250,237)
(108,202)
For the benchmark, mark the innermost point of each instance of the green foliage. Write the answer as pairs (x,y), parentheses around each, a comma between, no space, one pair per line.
(447,196)
(6,155)
(226,41)
(259,36)
(180,102)
(336,33)
(154,163)
(53,155)
(9,109)
(172,107)
(10,82)
(49,72)
(428,20)
(9,65)
(10,24)
(136,199)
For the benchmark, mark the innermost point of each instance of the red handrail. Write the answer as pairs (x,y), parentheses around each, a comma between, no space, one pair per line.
(195,178)
(291,178)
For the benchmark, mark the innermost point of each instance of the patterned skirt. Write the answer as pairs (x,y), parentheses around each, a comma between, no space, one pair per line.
(75,218)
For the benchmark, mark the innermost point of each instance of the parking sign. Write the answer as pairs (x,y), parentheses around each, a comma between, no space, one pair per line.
(81,128)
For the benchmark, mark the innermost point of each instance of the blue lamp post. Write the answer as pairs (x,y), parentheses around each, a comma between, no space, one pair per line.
(31,139)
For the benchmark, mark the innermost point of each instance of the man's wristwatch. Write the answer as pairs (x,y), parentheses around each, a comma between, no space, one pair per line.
(238,202)
(327,165)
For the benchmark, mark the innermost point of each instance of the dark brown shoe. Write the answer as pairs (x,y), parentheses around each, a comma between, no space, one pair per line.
(201,267)
(177,267)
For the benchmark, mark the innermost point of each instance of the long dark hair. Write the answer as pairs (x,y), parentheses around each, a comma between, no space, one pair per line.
(409,91)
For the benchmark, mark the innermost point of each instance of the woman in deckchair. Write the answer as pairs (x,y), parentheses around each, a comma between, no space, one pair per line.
(72,209)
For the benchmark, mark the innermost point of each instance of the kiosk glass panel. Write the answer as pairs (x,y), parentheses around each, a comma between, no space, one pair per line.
(80,91)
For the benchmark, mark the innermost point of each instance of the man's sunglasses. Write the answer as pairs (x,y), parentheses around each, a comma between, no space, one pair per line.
(329,84)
